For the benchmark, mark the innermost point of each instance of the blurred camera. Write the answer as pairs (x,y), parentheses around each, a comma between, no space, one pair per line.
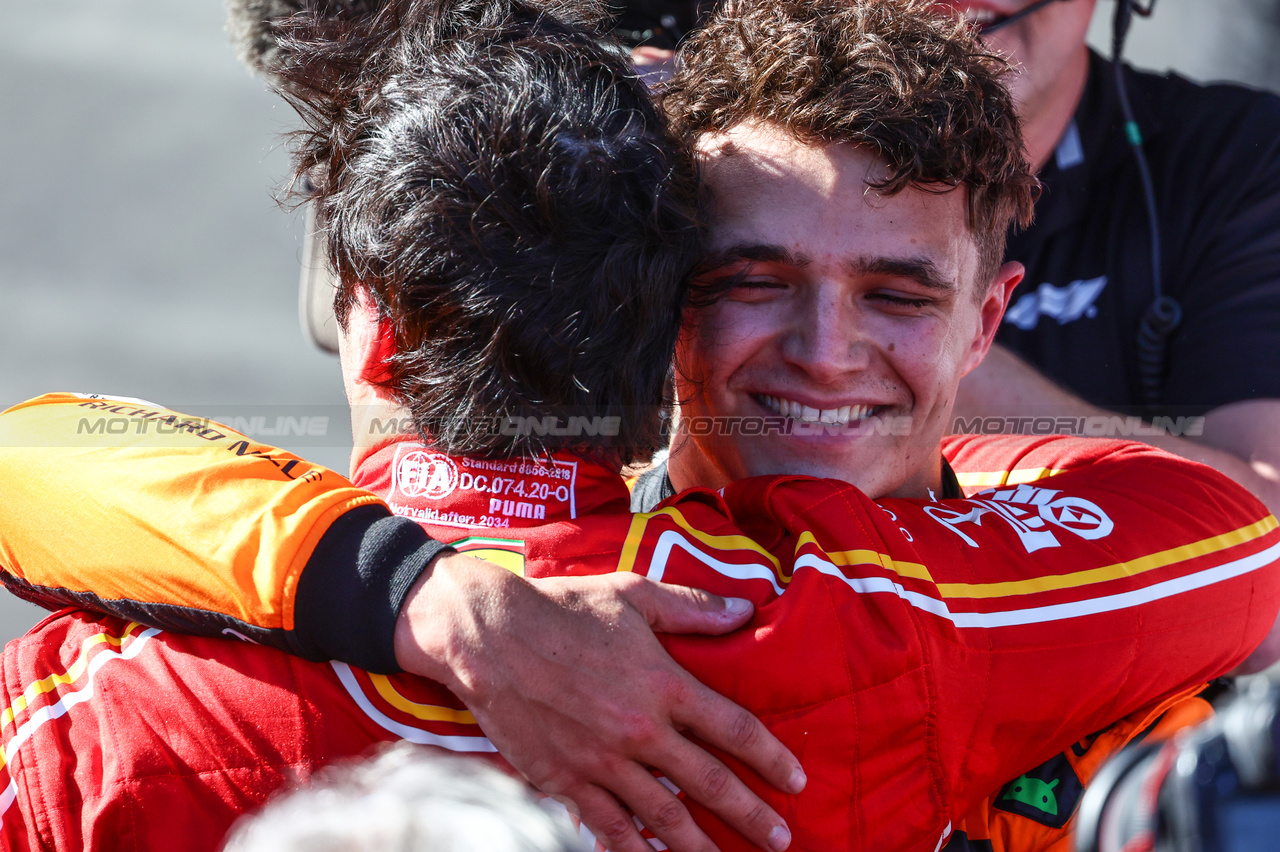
(658,23)
(1213,788)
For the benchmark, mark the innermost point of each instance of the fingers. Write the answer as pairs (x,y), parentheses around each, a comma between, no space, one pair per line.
(596,731)
(718,721)
(711,783)
(680,609)
(656,807)
(711,716)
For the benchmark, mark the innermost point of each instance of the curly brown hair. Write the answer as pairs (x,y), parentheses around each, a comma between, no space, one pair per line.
(914,86)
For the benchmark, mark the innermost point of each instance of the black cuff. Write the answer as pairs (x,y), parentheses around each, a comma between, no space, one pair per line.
(351,590)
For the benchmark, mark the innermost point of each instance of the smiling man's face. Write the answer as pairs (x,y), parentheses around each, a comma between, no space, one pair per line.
(849,307)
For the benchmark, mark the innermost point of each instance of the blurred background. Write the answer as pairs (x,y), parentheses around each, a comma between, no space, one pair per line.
(142,252)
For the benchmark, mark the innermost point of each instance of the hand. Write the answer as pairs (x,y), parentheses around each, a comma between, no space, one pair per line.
(569,682)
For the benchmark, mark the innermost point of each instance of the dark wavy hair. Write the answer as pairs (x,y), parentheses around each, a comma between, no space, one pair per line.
(498,180)
(255,26)
(915,87)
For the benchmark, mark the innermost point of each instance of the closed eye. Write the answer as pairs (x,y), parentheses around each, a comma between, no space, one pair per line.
(756,289)
(743,282)
(903,301)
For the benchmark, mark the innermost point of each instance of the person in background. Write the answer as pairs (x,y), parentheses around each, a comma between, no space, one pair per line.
(1168,308)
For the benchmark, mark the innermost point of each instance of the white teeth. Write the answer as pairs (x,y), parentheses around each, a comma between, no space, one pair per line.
(980,16)
(807,414)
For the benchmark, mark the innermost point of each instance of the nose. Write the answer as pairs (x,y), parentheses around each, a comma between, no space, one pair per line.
(826,340)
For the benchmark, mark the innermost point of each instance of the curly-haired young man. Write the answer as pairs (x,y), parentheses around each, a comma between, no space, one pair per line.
(861,190)
(862,175)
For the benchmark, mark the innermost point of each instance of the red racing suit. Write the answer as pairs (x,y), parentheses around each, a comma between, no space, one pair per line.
(913,654)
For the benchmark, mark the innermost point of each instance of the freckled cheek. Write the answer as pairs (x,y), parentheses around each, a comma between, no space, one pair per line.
(924,361)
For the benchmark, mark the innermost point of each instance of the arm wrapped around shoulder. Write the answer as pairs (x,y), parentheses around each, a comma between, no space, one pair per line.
(129,508)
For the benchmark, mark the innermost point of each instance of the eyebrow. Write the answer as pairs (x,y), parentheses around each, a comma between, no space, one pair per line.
(920,269)
(752,253)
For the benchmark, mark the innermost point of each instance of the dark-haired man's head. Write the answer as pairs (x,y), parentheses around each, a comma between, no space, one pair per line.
(502,199)
(863,163)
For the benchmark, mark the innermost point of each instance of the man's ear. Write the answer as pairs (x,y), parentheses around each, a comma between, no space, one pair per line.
(992,309)
(364,347)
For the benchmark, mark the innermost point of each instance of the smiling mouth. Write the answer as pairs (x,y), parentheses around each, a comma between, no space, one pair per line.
(793,410)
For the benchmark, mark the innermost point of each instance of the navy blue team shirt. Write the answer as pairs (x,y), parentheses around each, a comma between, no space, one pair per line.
(1214,153)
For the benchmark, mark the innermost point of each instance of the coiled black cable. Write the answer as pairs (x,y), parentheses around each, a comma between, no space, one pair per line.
(1163,316)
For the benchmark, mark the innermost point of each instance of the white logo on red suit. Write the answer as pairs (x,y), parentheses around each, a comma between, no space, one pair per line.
(424,474)
(1032,512)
